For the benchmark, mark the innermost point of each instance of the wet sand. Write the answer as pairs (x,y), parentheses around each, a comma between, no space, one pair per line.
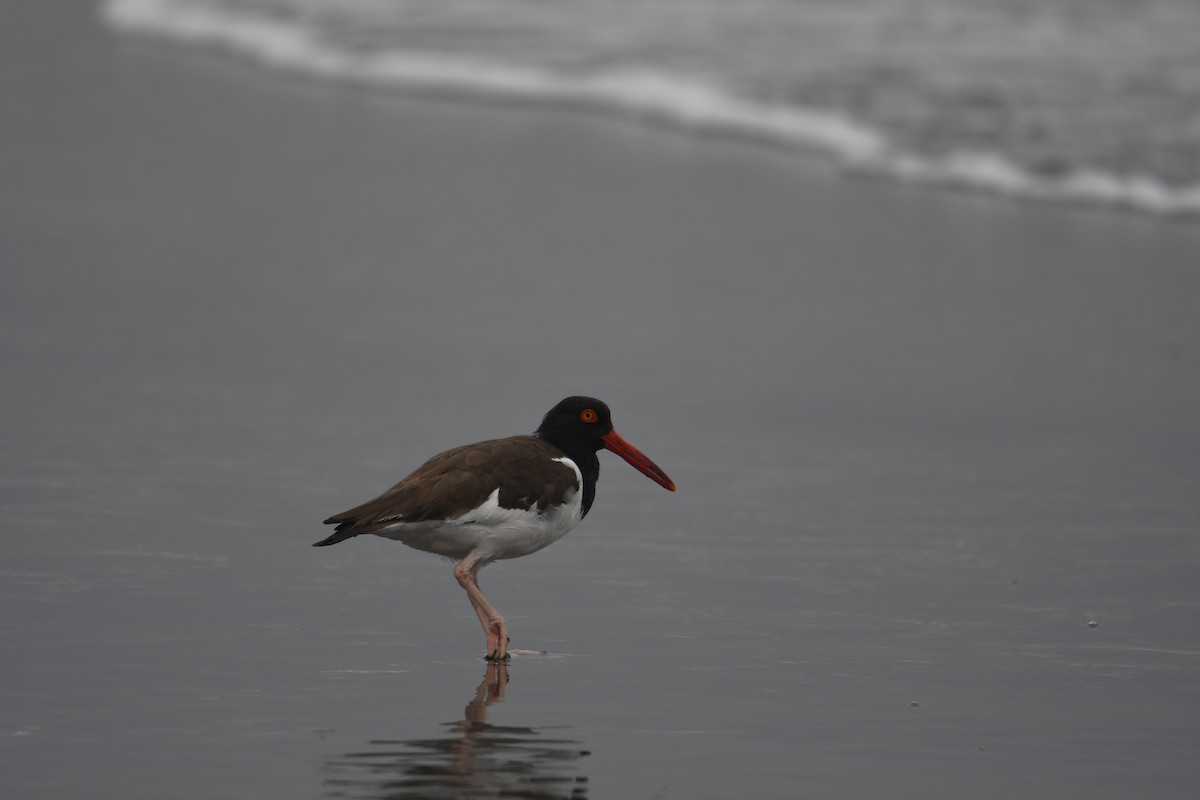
(936,533)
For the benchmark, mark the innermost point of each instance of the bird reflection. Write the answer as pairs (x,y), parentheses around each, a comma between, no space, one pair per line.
(477,759)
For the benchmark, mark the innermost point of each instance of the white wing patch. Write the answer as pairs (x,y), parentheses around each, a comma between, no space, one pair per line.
(500,532)
(574,468)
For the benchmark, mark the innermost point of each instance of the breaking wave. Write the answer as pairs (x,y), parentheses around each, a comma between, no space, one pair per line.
(286,45)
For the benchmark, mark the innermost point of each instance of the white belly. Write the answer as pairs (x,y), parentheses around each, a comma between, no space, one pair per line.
(496,532)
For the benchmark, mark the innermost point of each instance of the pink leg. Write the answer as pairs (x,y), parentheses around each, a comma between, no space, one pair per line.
(466,573)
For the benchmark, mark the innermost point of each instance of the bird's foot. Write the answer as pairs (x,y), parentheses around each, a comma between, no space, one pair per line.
(499,652)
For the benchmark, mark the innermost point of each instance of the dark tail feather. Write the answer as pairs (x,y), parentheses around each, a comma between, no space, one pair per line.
(340,535)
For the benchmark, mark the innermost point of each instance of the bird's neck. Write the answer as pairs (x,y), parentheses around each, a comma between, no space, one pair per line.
(589,468)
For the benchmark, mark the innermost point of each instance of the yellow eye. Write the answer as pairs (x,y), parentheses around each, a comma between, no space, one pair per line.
(588,415)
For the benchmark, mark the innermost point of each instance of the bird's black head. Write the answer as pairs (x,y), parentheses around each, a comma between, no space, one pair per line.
(577,423)
(580,425)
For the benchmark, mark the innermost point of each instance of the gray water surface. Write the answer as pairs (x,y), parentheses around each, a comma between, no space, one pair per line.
(936,528)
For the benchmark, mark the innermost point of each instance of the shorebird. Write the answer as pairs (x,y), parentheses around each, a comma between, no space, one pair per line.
(497,499)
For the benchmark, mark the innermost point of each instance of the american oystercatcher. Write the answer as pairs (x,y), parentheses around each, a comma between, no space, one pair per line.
(502,498)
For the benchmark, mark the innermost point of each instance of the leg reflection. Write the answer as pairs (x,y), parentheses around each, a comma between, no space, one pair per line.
(479,759)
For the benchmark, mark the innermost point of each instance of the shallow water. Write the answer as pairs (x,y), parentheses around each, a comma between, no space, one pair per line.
(936,531)
(1060,100)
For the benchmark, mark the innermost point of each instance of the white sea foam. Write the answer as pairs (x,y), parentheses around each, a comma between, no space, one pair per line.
(287,45)
(993,172)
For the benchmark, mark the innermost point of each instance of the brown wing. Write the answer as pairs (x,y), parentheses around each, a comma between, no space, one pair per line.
(454,482)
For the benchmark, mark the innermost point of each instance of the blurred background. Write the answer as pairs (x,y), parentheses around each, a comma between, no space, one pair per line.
(1072,100)
(937,446)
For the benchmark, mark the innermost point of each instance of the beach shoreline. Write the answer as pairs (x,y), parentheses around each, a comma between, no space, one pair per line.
(300,47)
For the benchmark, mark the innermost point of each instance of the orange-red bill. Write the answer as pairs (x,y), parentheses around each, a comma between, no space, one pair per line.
(614,443)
